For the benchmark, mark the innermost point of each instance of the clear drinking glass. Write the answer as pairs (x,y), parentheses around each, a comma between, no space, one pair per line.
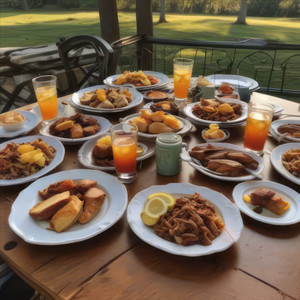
(124,143)
(46,94)
(183,68)
(258,123)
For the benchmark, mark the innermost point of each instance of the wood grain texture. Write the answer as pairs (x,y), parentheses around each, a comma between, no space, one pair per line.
(263,264)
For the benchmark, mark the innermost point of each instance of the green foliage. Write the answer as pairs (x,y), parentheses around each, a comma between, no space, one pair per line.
(69,3)
(89,4)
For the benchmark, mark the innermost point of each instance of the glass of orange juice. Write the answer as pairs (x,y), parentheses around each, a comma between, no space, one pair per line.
(182,69)
(45,91)
(258,123)
(124,143)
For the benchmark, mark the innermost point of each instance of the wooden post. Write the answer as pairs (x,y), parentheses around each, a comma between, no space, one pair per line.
(109,22)
(144,24)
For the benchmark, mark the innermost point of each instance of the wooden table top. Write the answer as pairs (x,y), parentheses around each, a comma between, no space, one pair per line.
(263,264)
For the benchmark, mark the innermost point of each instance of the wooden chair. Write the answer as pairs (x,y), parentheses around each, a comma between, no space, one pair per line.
(259,66)
(87,60)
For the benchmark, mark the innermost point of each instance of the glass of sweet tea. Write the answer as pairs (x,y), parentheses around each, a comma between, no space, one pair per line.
(124,138)
(258,123)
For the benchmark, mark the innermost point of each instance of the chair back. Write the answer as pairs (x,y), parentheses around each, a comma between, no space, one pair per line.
(290,72)
(87,60)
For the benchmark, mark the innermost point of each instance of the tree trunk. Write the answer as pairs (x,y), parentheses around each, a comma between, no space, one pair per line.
(25,5)
(241,19)
(162,15)
(109,22)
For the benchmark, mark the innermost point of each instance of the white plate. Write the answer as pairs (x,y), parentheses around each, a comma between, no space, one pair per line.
(277,110)
(291,216)
(276,135)
(234,80)
(35,232)
(86,159)
(59,156)
(277,164)
(163,80)
(186,126)
(104,127)
(137,99)
(228,178)
(225,137)
(226,209)
(60,113)
(31,121)
(188,111)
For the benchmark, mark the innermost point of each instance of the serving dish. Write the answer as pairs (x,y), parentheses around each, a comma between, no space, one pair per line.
(35,232)
(86,159)
(30,122)
(163,80)
(186,126)
(194,163)
(188,111)
(224,207)
(282,137)
(104,127)
(59,156)
(235,80)
(225,137)
(291,216)
(75,101)
(276,156)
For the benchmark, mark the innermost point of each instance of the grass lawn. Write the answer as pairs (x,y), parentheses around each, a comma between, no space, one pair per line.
(41,26)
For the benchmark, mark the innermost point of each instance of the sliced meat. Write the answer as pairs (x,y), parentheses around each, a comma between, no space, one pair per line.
(94,198)
(226,167)
(76,131)
(83,185)
(56,188)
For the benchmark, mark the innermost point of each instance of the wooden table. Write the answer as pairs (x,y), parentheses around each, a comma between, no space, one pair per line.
(263,264)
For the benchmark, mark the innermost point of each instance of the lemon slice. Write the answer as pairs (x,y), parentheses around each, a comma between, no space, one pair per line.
(168,198)
(148,220)
(139,150)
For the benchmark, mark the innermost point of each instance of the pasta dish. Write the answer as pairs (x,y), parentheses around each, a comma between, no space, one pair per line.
(192,221)
(291,161)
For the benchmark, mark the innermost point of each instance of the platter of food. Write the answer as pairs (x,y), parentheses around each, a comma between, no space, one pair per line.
(141,80)
(61,110)
(190,236)
(68,207)
(151,124)
(13,124)
(103,99)
(97,153)
(235,80)
(227,159)
(76,129)
(268,202)
(286,130)
(28,158)
(225,113)
(286,160)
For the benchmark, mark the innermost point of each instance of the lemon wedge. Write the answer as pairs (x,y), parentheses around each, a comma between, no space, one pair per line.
(148,220)
(154,208)
(139,150)
(168,198)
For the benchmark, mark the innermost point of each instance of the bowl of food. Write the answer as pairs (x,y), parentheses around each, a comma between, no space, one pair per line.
(214,134)
(155,96)
(165,106)
(12,121)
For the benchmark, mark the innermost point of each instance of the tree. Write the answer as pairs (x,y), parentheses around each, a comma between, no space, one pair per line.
(242,14)
(162,15)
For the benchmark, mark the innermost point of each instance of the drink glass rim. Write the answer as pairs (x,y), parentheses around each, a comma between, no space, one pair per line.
(44,79)
(113,128)
(183,60)
(267,107)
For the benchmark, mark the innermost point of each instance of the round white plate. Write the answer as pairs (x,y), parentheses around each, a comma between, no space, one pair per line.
(226,209)
(104,127)
(137,99)
(163,80)
(228,178)
(292,214)
(60,113)
(225,137)
(86,159)
(59,156)
(278,136)
(277,110)
(277,164)
(35,232)
(31,121)
(188,111)
(234,80)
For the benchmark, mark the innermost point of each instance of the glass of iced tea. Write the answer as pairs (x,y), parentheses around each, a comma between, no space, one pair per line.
(124,143)
(182,68)
(258,123)
(45,91)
